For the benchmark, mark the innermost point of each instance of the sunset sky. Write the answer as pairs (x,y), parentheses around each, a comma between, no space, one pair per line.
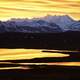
(37,8)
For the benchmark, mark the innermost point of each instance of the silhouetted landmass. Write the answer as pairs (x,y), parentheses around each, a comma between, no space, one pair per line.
(66,40)
(44,72)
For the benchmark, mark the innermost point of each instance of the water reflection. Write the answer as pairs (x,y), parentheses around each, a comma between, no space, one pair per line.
(16,54)
(19,54)
(27,66)
(7,68)
(54,63)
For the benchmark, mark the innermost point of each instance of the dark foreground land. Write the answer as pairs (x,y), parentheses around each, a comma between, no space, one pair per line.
(65,40)
(45,60)
(42,73)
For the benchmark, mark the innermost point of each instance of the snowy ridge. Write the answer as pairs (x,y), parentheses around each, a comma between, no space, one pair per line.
(63,21)
(44,24)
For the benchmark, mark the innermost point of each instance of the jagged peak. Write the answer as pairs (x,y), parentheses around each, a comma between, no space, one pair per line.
(48,22)
(60,17)
(45,17)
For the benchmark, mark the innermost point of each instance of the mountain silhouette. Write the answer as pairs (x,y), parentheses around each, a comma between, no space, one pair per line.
(46,24)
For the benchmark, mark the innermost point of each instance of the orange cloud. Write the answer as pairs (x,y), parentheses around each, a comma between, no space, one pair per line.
(15,9)
(34,8)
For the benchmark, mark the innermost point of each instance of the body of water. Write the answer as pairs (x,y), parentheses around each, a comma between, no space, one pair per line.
(21,54)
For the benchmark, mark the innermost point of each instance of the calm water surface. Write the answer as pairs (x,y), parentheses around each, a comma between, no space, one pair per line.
(18,54)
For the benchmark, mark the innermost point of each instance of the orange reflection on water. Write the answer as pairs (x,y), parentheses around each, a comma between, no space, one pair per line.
(7,68)
(54,63)
(17,54)
(66,63)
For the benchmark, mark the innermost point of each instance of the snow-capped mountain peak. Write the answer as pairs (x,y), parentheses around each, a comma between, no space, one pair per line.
(63,21)
(44,24)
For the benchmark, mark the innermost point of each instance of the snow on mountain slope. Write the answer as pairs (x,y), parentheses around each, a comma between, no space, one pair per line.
(30,26)
(43,24)
(75,26)
(63,21)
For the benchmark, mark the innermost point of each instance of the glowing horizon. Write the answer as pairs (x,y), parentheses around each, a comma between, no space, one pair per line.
(38,8)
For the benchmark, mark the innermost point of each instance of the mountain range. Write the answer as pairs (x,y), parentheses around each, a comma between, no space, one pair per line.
(46,24)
